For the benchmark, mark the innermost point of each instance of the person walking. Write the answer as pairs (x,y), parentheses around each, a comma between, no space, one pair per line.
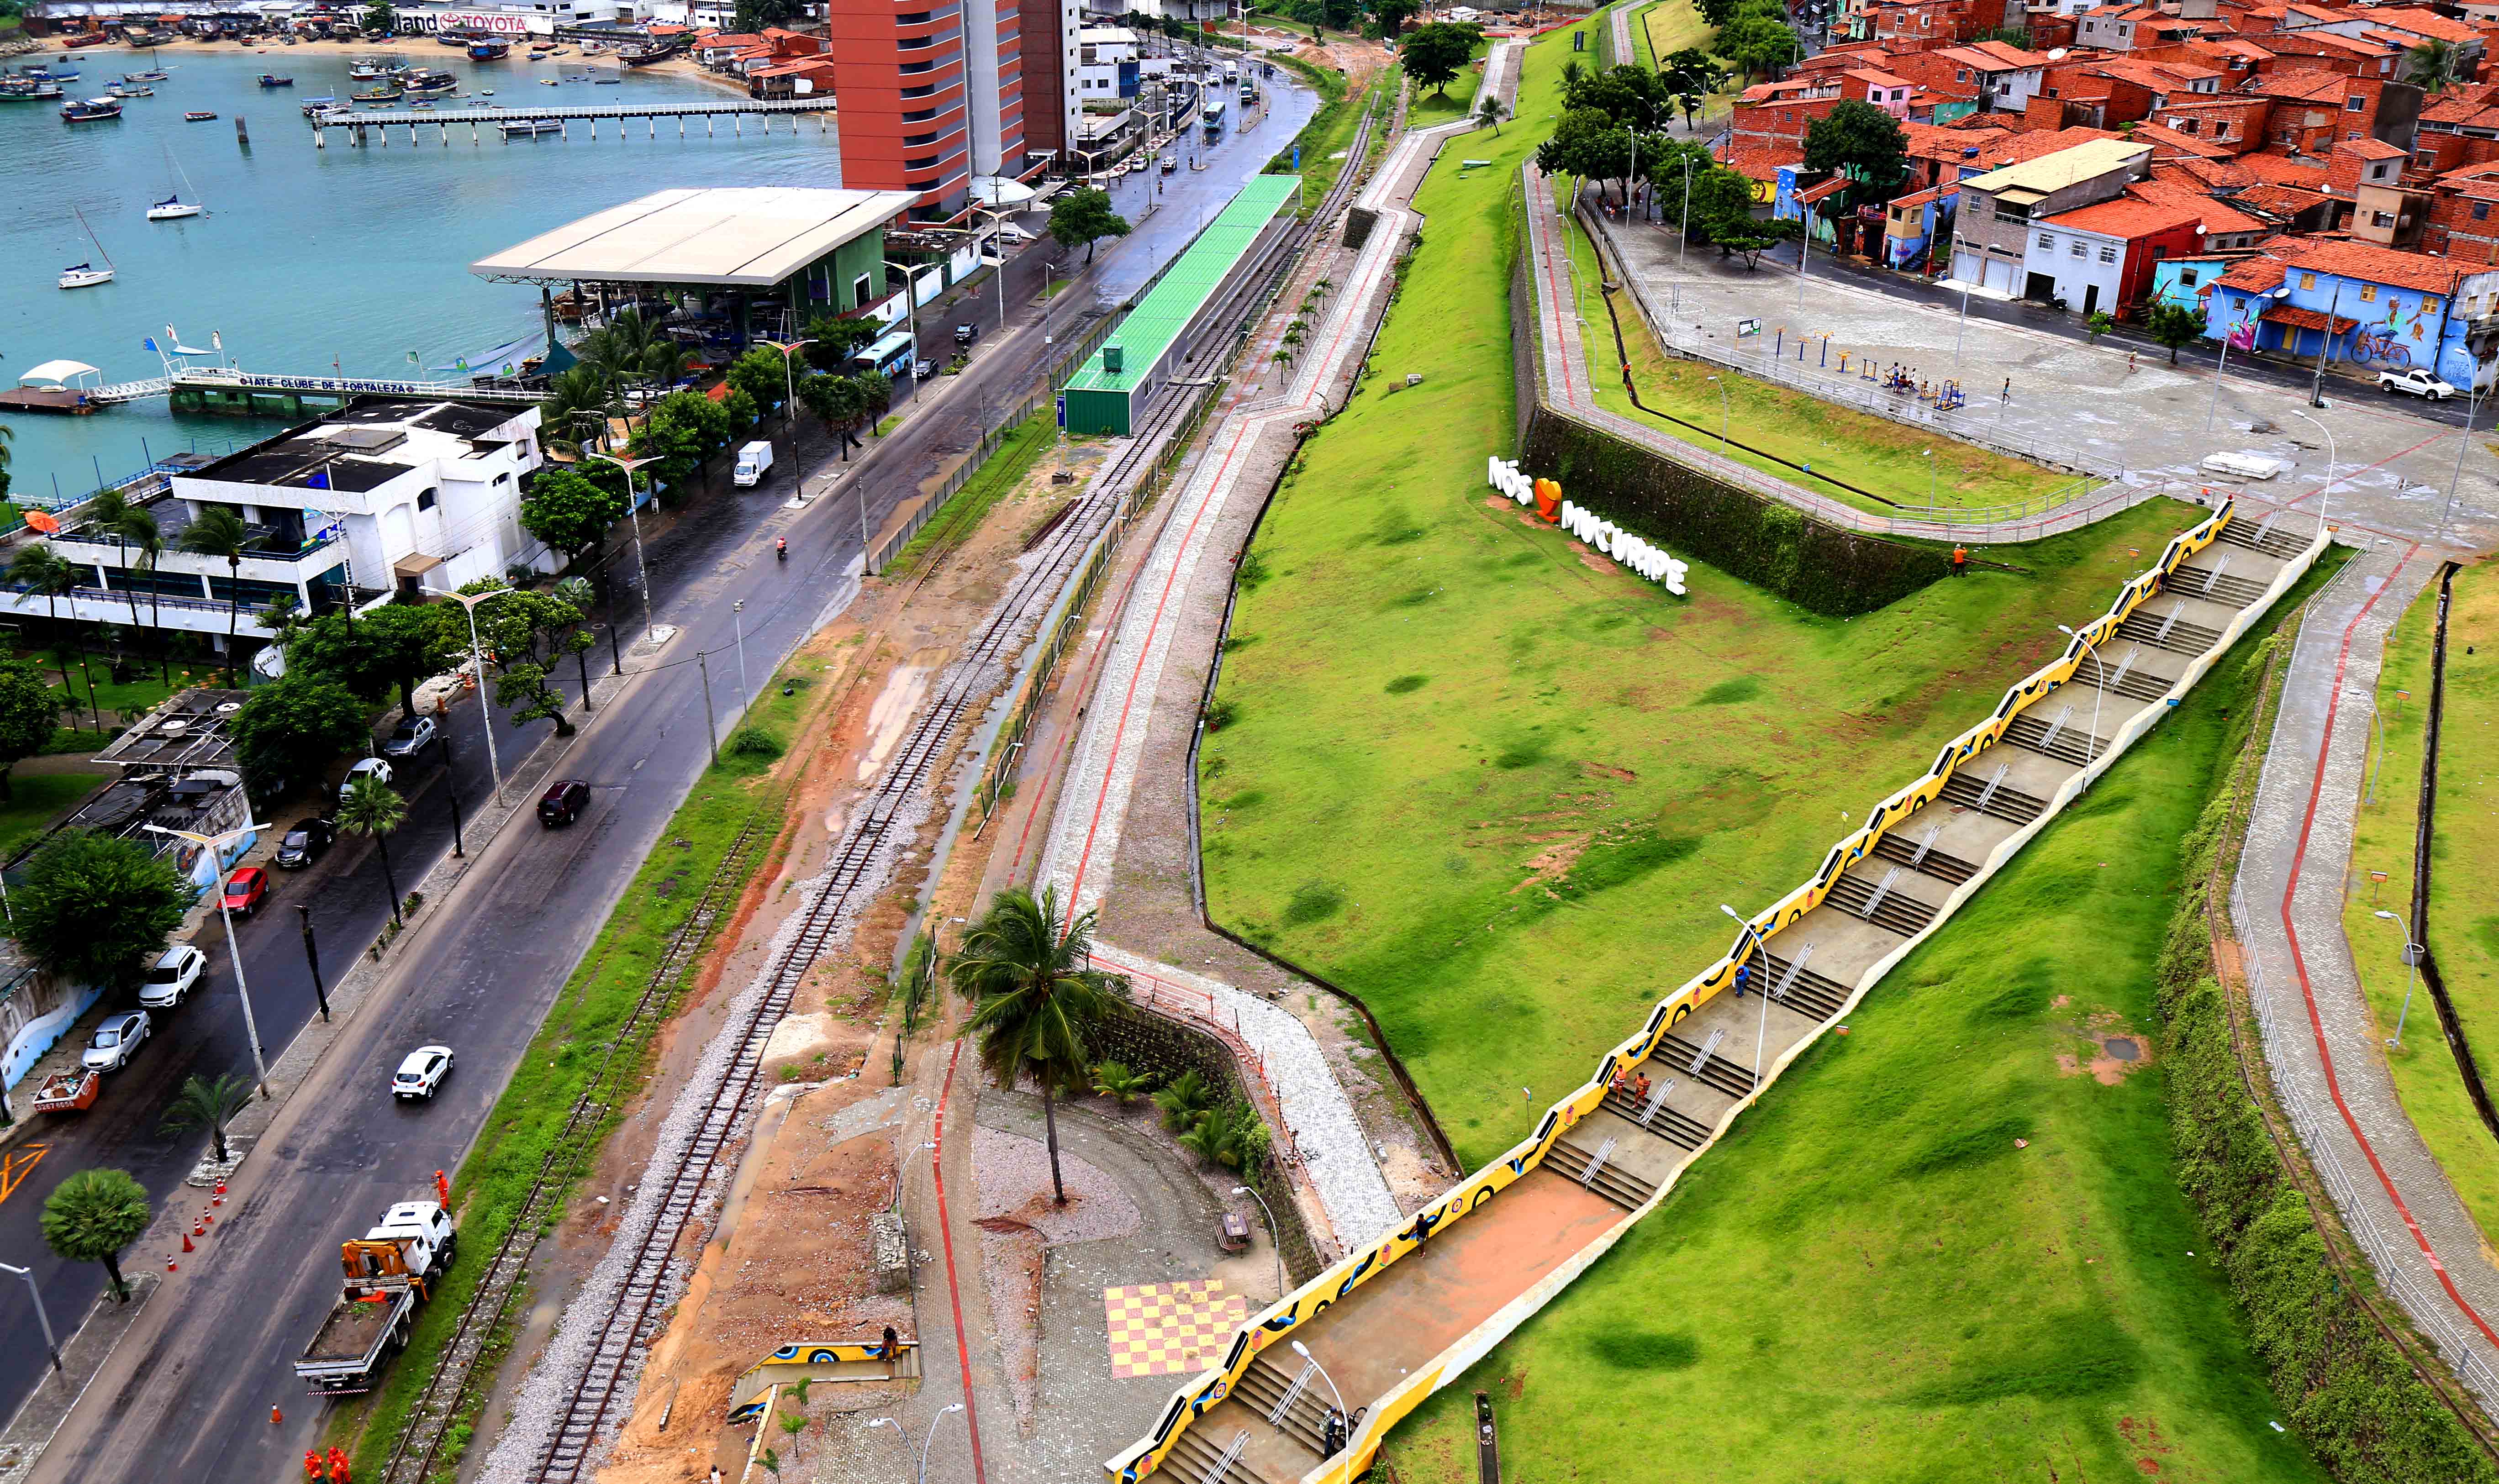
(2008,389)
(1744,978)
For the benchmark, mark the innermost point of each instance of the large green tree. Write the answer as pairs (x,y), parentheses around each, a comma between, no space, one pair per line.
(761,374)
(1626,95)
(2173,326)
(528,632)
(91,1216)
(93,906)
(1084,216)
(573,511)
(1860,140)
(287,733)
(40,570)
(1757,40)
(1028,971)
(682,431)
(398,646)
(28,717)
(374,809)
(1434,54)
(832,340)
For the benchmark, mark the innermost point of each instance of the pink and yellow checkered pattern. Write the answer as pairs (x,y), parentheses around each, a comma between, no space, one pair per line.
(1170,1329)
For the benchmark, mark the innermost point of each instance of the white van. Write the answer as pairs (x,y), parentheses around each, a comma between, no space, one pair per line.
(753,462)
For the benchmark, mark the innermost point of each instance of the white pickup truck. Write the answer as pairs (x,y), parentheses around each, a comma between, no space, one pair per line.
(2418,382)
(753,462)
(387,1274)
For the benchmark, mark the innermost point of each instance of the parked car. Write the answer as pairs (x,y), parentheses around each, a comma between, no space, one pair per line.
(421,1073)
(247,889)
(114,1040)
(171,976)
(371,767)
(410,737)
(562,802)
(305,843)
(2418,382)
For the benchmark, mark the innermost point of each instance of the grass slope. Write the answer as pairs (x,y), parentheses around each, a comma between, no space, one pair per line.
(1892,1285)
(1005,468)
(2464,932)
(35,798)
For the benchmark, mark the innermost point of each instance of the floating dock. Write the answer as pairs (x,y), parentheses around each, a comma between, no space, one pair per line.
(373,128)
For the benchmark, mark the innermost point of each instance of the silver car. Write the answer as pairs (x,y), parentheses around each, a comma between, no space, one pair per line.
(114,1040)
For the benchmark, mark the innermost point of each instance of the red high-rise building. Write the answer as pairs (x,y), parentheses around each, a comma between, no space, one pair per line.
(935,93)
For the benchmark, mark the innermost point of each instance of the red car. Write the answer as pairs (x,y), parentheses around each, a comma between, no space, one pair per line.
(247,889)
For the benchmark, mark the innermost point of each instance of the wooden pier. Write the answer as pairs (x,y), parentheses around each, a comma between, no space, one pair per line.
(373,128)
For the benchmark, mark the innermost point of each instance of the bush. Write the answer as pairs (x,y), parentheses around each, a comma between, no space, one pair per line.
(753,744)
(1187,1097)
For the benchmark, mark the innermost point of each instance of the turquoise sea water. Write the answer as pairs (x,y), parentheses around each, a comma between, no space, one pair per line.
(305,257)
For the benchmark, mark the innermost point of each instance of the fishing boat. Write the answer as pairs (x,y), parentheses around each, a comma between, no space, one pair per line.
(174,207)
(549,82)
(152,75)
(88,109)
(314,107)
(606,82)
(387,93)
(86,274)
(273,80)
(127,90)
(644,56)
(199,116)
(527,128)
(489,51)
(28,89)
(431,85)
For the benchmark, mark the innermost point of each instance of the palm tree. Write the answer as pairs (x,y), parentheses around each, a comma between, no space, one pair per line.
(91,1216)
(1034,998)
(1490,112)
(38,568)
(221,532)
(2432,65)
(7,432)
(629,345)
(581,389)
(109,513)
(372,808)
(211,1103)
(139,527)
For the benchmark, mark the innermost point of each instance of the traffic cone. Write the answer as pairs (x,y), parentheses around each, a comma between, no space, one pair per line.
(275,1416)
(198,1227)
(169,1263)
(186,1241)
(221,1187)
(207,1220)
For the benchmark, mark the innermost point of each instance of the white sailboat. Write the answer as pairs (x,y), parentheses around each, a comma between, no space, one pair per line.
(86,274)
(174,207)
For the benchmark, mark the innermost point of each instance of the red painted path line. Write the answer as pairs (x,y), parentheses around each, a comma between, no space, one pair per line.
(953,1294)
(2308,992)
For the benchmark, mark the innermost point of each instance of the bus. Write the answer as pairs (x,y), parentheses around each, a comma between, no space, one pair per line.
(1213,117)
(891,357)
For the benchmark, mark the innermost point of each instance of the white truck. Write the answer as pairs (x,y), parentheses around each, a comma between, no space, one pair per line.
(387,1274)
(753,462)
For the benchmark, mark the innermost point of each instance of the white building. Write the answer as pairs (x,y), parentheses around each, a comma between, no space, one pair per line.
(1100,52)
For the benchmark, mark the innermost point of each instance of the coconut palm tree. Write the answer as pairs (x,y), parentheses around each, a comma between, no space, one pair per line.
(108,514)
(2432,65)
(629,345)
(38,568)
(1491,112)
(372,808)
(211,1103)
(221,532)
(1034,997)
(139,527)
(7,434)
(91,1216)
(579,389)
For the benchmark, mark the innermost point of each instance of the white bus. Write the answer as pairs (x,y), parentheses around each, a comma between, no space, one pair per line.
(891,357)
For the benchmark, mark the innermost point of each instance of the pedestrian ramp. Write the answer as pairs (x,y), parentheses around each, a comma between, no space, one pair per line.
(1306,1390)
(884,1359)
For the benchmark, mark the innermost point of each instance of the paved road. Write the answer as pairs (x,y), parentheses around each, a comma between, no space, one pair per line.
(189,1396)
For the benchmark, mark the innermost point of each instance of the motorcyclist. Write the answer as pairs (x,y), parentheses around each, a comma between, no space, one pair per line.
(781,548)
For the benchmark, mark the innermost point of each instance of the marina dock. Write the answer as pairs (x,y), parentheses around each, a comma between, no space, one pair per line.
(263,394)
(375,127)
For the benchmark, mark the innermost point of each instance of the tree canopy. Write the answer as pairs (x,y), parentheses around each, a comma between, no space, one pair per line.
(1084,216)
(286,734)
(92,906)
(1434,54)
(1629,96)
(1757,39)
(1034,997)
(28,717)
(682,431)
(572,510)
(1860,140)
(94,1214)
(396,646)
(2173,326)
(835,339)
(528,632)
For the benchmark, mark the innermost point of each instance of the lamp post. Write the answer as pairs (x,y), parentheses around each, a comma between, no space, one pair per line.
(1304,1351)
(477,657)
(951,1408)
(2099,689)
(911,304)
(40,1318)
(1274,1232)
(1761,1032)
(2412,958)
(2326,490)
(2472,405)
(633,514)
(215,846)
(790,410)
(1683,240)
(738,627)
(313,960)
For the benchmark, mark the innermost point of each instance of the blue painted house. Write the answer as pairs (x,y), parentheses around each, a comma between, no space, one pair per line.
(2367,308)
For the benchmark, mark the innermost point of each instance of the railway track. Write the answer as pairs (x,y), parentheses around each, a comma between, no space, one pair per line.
(876,835)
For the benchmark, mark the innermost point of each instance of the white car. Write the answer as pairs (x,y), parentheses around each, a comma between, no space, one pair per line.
(114,1040)
(422,1073)
(171,976)
(371,767)
(2418,382)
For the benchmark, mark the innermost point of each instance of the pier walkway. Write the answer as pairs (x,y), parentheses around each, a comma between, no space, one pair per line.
(378,122)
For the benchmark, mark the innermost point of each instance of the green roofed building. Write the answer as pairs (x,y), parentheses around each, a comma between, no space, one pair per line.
(1116,380)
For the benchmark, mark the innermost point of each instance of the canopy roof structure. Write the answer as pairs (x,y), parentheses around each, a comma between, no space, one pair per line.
(58,372)
(739,237)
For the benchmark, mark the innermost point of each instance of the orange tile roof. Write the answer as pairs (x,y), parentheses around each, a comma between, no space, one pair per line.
(2284,201)
(2305,319)
(2424,24)
(2216,214)
(2373,150)
(2126,217)
(2169,142)
(2255,275)
(2370,263)
(2209,175)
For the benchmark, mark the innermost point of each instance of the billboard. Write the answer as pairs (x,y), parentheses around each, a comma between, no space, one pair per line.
(504,23)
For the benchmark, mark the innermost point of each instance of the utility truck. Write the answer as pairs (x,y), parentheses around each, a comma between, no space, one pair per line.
(753,462)
(388,1272)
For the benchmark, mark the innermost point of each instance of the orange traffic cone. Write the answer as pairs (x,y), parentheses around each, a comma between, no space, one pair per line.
(186,1241)
(169,1263)
(199,1228)
(205,1219)
(221,1187)
(275,1416)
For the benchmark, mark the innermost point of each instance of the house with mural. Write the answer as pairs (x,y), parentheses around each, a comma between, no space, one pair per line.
(2366,308)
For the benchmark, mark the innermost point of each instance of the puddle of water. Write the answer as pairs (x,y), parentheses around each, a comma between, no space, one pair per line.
(2123,1048)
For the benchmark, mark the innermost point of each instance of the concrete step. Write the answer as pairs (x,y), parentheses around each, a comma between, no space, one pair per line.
(1675,1128)
(1610,1180)
(1716,1071)
(1267,1382)
(2126,676)
(1815,996)
(1905,848)
(1895,911)
(1968,786)
(2273,537)
(2161,627)
(2213,582)
(1195,1458)
(2071,743)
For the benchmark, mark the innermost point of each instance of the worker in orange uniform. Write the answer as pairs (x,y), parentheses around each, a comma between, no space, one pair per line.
(1961,561)
(339,1473)
(312,1469)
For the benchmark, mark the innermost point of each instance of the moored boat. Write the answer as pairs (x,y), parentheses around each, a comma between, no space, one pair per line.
(128,90)
(151,76)
(88,109)
(527,128)
(489,51)
(390,93)
(273,80)
(317,106)
(199,116)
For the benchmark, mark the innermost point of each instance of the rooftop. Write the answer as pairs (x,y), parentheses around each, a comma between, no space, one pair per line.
(750,236)
(2051,173)
(364,446)
(187,731)
(1175,299)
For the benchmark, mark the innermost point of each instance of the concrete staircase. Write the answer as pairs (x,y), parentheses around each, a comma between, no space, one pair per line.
(1981,789)
(1814,996)
(1198,1459)
(1294,1405)
(1594,1167)
(2168,629)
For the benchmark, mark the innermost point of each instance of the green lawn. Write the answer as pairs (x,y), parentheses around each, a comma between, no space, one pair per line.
(1875,455)
(1535,779)
(1329,132)
(2463,931)
(35,798)
(1003,469)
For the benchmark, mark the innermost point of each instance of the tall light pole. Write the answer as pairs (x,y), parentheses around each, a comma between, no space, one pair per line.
(789,409)
(215,846)
(1762,1033)
(1274,1233)
(2099,675)
(1683,241)
(2326,490)
(1304,1351)
(1723,416)
(632,513)
(2472,405)
(2213,406)
(949,1408)
(2412,956)
(911,305)
(41,1318)
(737,625)
(477,657)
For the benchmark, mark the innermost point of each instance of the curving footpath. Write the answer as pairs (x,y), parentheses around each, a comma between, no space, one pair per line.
(2320,1040)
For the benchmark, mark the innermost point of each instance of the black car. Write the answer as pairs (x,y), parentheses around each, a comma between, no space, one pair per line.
(562,802)
(305,843)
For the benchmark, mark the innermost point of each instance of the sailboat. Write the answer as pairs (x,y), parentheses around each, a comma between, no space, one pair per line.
(174,207)
(88,275)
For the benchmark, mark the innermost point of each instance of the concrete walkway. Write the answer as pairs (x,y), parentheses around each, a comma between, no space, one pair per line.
(2319,1037)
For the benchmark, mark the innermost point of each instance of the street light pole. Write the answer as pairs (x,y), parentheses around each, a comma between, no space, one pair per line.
(313,959)
(2326,490)
(41,1318)
(215,844)
(1304,1351)
(737,625)
(1723,416)
(951,1408)
(2099,690)
(1274,1233)
(711,728)
(2472,405)
(790,410)
(2412,958)
(633,514)
(477,657)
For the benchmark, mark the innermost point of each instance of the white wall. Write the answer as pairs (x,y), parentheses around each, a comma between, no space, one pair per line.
(2102,266)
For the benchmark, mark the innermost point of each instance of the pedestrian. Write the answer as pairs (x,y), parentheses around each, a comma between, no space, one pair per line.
(2130,362)
(1961,561)
(2008,389)
(1744,978)
(312,1469)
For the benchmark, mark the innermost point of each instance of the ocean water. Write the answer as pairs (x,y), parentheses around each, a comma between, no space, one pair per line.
(307,259)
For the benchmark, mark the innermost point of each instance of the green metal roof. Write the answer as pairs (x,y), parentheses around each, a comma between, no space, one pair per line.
(1177,296)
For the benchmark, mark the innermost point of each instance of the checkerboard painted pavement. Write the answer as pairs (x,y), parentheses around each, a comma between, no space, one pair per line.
(1170,1329)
